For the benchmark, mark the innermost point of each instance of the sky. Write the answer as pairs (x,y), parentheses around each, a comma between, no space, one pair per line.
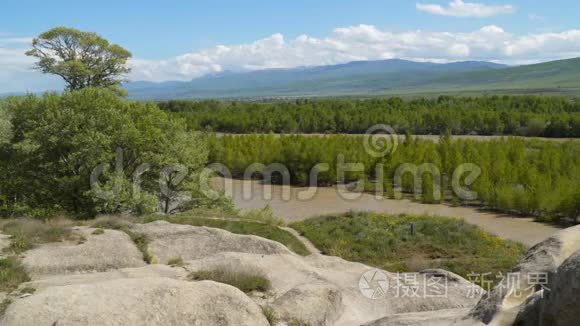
(182,40)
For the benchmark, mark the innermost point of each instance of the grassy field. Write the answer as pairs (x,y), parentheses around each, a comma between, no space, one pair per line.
(411,243)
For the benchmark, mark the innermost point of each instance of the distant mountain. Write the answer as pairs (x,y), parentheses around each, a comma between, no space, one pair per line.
(369,78)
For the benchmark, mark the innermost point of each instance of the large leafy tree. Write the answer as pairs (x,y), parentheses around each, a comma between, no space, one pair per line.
(59,140)
(82,59)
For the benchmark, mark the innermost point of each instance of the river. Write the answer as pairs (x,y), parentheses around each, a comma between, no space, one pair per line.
(286,204)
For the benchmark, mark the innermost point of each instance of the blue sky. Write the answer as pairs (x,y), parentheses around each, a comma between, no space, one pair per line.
(179,39)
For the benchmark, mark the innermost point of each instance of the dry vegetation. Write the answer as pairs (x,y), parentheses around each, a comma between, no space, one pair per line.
(246,280)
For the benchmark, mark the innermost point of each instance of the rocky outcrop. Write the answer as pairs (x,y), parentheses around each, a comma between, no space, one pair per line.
(313,304)
(443,317)
(105,281)
(167,241)
(520,290)
(95,253)
(325,290)
(559,302)
(138,302)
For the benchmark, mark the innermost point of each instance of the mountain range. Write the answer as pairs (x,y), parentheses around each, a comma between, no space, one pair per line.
(374,78)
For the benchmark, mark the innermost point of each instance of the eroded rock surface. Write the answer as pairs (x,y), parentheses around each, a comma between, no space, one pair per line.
(325,290)
(105,281)
(167,241)
(138,302)
(97,252)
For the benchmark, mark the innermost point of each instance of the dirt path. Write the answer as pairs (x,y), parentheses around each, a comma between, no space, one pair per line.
(309,245)
(329,201)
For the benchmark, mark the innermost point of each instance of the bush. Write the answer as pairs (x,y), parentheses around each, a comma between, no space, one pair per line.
(244,279)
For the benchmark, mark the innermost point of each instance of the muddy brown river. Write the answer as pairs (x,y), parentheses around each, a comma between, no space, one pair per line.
(299,203)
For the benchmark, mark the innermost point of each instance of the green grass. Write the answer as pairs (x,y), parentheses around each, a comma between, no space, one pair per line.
(411,243)
(175,262)
(245,280)
(268,231)
(98,231)
(270,315)
(12,274)
(4,305)
(27,233)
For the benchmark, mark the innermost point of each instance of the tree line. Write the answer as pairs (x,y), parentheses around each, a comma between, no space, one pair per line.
(496,115)
(539,178)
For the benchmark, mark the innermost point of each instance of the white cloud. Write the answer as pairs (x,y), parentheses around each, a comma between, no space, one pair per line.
(459,8)
(364,42)
(345,44)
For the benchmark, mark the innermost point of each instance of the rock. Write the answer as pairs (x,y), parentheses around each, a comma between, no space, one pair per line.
(562,300)
(443,317)
(168,241)
(149,271)
(329,288)
(107,251)
(139,302)
(559,303)
(105,281)
(503,304)
(313,304)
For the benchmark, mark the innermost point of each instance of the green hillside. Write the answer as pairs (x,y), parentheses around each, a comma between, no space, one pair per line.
(376,78)
(560,77)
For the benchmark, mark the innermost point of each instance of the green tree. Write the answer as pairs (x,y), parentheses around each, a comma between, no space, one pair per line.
(5,125)
(60,140)
(82,59)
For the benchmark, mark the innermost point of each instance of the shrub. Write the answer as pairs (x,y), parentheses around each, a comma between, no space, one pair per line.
(243,279)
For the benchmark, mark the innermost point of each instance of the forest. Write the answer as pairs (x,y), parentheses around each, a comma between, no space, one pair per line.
(495,115)
(518,176)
